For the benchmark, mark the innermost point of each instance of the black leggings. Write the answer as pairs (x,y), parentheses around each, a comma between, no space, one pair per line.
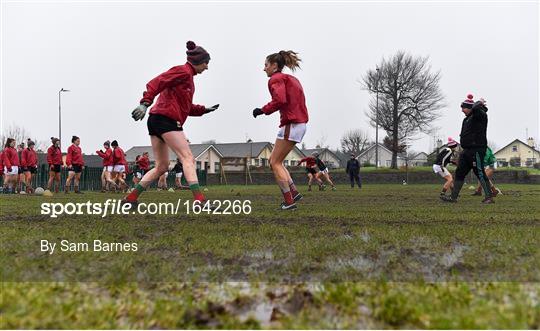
(473,159)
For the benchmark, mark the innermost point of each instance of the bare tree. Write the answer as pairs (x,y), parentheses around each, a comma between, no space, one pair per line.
(21,136)
(409,97)
(494,147)
(321,142)
(354,141)
(388,143)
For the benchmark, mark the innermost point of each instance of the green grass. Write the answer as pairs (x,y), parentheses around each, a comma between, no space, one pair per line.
(384,257)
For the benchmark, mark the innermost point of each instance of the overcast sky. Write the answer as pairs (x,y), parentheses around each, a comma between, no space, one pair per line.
(106,52)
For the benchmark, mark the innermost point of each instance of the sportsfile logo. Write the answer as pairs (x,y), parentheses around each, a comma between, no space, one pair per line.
(113,207)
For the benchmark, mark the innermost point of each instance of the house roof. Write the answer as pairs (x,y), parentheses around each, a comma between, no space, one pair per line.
(239,150)
(513,141)
(380,146)
(414,157)
(91,161)
(310,151)
(196,150)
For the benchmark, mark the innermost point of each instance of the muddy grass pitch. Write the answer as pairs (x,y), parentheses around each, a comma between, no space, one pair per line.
(383,256)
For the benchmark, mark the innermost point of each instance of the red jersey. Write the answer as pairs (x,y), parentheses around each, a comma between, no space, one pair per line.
(175,88)
(29,158)
(119,157)
(74,156)
(310,161)
(287,97)
(144,163)
(54,155)
(2,162)
(11,158)
(107,157)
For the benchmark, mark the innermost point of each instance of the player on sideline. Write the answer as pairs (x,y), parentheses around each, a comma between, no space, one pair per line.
(119,165)
(474,144)
(75,164)
(323,171)
(29,163)
(11,165)
(490,162)
(444,157)
(165,123)
(287,97)
(107,182)
(311,171)
(55,162)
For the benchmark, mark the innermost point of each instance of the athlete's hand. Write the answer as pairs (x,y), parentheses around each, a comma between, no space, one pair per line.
(211,109)
(257,112)
(139,112)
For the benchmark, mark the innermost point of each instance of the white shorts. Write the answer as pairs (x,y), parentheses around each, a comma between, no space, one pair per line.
(179,174)
(441,171)
(138,174)
(292,132)
(119,168)
(108,168)
(14,170)
(325,171)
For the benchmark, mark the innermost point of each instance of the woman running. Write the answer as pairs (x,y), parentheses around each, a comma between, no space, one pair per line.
(11,165)
(119,165)
(137,172)
(167,117)
(311,171)
(29,163)
(439,167)
(323,171)
(144,163)
(54,160)
(287,97)
(75,164)
(107,183)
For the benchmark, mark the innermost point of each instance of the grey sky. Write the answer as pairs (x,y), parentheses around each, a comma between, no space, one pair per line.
(106,52)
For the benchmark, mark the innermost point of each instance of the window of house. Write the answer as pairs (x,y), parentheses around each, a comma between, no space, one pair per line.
(199,165)
(256,162)
(514,148)
(286,163)
(216,167)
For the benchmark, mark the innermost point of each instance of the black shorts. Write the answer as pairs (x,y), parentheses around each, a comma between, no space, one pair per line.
(76,168)
(21,170)
(311,171)
(159,124)
(32,170)
(56,168)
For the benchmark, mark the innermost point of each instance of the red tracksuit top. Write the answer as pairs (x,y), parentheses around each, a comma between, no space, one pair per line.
(107,157)
(118,156)
(29,158)
(144,163)
(1,162)
(74,156)
(175,88)
(287,97)
(54,156)
(11,157)
(310,161)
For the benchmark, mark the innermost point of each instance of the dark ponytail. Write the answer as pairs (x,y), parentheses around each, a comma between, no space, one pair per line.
(288,59)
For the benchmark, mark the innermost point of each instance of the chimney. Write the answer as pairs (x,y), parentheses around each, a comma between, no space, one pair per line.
(530,142)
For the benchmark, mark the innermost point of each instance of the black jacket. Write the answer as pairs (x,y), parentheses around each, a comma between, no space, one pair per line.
(474,127)
(444,157)
(353,166)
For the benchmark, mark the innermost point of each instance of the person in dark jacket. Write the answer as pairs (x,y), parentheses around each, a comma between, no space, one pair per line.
(474,144)
(353,170)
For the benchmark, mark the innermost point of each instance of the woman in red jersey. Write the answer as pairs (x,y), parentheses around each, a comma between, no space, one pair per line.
(75,164)
(287,97)
(106,155)
(29,162)
(119,165)
(167,117)
(311,170)
(11,165)
(55,162)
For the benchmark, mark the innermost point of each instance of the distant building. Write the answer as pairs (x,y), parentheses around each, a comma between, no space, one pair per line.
(518,154)
(385,156)
(419,160)
(226,156)
(330,158)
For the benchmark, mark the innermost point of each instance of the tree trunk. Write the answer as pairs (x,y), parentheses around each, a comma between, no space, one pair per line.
(395,136)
